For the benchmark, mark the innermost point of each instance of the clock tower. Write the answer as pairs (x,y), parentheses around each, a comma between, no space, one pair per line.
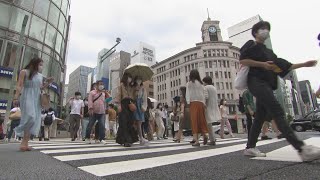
(211,31)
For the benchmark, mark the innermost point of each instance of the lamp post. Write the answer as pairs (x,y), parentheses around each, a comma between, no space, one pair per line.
(106,55)
(15,72)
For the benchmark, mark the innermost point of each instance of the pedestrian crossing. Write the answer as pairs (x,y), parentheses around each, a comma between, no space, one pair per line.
(111,158)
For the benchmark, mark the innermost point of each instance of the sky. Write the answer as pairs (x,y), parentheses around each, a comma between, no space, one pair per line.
(172,26)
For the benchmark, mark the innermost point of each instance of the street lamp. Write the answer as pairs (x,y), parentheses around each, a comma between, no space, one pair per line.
(106,55)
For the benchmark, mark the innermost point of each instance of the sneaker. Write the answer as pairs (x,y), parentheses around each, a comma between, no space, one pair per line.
(144,142)
(6,140)
(265,138)
(254,152)
(211,143)
(309,153)
(88,141)
(103,142)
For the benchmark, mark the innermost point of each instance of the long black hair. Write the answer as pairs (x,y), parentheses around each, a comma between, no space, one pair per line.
(158,106)
(221,101)
(125,78)
(194,75)
(33,66)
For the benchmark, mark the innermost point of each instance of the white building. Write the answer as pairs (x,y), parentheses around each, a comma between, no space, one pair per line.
(289,97)
(144,53)
(240,33)
(211,57)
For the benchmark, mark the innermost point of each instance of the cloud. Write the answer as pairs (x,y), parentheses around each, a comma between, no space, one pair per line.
(173,26)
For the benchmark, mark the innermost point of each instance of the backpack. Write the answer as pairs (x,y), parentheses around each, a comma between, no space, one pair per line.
(48,119)
(241,105)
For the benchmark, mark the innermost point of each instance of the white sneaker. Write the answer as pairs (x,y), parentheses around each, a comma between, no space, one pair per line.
(6,140)
(144,142)
(88,141)
(103,142)
(309,153)
(254,152)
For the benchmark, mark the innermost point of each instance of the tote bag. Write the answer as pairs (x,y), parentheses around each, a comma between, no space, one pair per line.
(240,82)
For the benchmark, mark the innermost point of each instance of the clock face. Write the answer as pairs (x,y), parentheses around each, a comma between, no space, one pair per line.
(212,29)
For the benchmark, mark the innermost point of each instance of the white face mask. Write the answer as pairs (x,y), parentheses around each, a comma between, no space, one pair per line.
(101,87)
(78,97)
(139,81)
(263,34)
(40,68)
(86,103)
(129,80)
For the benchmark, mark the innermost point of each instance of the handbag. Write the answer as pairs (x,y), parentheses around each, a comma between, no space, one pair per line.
(240,82)
(45,100)
(132,107)
(175,118)
(15,116)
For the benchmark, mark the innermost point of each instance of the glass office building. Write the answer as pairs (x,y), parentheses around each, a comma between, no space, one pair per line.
(46,36)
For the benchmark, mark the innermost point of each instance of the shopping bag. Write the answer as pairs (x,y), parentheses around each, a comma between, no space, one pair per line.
(240,82)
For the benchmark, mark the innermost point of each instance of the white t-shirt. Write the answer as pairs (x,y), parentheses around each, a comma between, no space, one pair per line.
(15,109)
(76,106)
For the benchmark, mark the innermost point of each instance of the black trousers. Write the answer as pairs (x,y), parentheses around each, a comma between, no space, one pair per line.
(165,134)
(249,123)
(267,105)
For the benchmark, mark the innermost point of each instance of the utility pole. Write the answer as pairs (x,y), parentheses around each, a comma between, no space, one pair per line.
(15,73)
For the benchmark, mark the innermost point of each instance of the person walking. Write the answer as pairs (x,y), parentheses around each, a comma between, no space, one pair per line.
(212,110)
(265,66)
(112,120)
(29,86)
(76,114)
(140,95)
(196,95)
(48,121)
(165,121)
(97,110)
(15,121)
(224,119)
(249,107)
(127,134)
(85,119)
(159,121)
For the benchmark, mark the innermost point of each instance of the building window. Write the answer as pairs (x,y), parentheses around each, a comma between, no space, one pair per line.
(10,55)
(213,52)
(209,53)
(205,53)
(186,69)
(223,96)
(210,64)
(179,81)
(195,56)
(218,86)
(224,64)
(228,64)
(225,75)
(150,93)
(221,75)
(228,96)
(227,85)
(217,74)
(222,86)
(219,96)
(229,74)
(230,85)
(207,74)
(54,15)
(37,28)
(231,96)
(211,75)
(206,64)
(196,65)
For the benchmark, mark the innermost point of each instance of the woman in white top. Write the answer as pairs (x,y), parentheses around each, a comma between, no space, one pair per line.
(212,111)
(159,121)
(224,120)
(196,96)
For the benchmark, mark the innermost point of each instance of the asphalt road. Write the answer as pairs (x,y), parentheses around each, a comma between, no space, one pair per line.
(161,160)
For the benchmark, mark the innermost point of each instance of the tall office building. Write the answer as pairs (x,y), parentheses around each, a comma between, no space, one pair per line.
(103,66)
(46,36)
(78,81)
(308,96)
(144,53)
(118,62)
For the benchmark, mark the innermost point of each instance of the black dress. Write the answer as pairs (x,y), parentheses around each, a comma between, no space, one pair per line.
(126,134)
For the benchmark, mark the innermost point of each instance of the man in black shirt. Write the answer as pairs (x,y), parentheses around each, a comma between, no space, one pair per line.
(265,66)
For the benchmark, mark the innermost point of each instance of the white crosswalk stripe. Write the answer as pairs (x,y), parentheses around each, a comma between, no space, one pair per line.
(110,159)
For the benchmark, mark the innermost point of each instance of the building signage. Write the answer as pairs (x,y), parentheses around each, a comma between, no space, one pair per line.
(3,104)
(148,54)
(54,87)
(6,72)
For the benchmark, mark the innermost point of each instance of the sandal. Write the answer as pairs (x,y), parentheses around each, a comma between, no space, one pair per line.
(192,142)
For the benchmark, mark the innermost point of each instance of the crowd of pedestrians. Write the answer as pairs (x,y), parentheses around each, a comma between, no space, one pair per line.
(132,117)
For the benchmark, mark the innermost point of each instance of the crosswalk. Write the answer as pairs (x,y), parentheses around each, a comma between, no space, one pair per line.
(110,159)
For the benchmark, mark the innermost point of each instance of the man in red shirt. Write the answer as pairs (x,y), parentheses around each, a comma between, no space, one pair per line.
(97,108)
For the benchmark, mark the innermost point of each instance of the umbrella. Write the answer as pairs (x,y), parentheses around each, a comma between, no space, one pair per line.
(152,100)
(140,69)
(176,99)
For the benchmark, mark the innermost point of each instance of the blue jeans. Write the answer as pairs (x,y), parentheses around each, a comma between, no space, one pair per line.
(13,125)
(84,124)
(101,120)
